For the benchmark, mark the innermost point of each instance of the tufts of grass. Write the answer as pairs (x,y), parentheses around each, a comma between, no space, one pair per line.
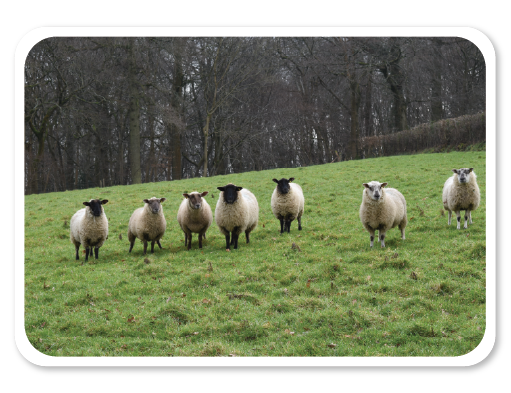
(328,295)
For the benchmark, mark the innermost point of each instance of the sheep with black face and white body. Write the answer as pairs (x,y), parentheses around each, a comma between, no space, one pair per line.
(236,211)
(461,192)
(89,226)
(194,216)
(287,203)
(148,224)
(382,209)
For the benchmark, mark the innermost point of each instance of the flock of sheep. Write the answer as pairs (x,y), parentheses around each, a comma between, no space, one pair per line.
(237,211)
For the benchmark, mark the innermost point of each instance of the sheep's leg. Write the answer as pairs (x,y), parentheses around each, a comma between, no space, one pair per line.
(235,236)
(204,236)
(247,235)
(299,223)
(131,245)
(96,252)
(159,245)
(382,238)
(200,240)
(288,226)
(77,249)
(281,225)
(449,219)
(227,240)
(470,216)
(189,240)
(467,215)
(186,239)
(402,232)
(152,247)
(145,247)
(87,253)
(458,217)
(371,233)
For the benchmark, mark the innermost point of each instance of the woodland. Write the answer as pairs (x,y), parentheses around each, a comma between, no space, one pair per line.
(105,111)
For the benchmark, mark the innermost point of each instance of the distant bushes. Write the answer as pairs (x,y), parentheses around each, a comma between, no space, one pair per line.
(448,134)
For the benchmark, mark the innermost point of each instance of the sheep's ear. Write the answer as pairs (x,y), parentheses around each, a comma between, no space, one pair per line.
(366,185)
(146,200)
(276,181)
(204,193)
(104,201)
(455,170)
(291,179)
(470,169)
(86,203)
(186,195)
(221,188)
(239,188)
(162,200)
(384,184)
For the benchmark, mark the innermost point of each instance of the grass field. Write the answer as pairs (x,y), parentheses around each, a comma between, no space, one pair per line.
(330,296)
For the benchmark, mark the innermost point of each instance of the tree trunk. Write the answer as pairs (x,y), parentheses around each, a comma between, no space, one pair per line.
(134,118)
(176,103)
(354,109)
(436,81)
(205,149)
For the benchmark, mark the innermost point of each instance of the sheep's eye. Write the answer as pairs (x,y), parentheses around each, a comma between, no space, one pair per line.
(371,188)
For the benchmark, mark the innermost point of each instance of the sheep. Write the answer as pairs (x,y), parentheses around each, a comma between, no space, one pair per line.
(382,209)
(461,192)
(287,203)
(147,223)
(89,226)
(194,216)
(236,211)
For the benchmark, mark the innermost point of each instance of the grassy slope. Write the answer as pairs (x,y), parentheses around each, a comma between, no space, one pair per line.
(424,296)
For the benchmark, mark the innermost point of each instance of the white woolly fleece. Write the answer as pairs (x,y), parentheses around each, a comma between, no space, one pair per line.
(288,205)
(458,196)
(87,229)
(144,221)
(243,213)
(194,220)
(386,213)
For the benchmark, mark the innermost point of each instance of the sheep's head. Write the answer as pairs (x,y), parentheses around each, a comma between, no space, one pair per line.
(283,185)
(154,204)
(374,189)
(230,192)
(463,174)
(95,206)
(195,199)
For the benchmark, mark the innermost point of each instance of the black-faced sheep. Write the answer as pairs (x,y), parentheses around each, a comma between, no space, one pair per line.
(89,226)
(194,216)
(461,192)
(287,203)
(382,209)
(236,211)
(148,224)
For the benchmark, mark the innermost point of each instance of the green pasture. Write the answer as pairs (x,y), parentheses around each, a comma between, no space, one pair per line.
(329,295)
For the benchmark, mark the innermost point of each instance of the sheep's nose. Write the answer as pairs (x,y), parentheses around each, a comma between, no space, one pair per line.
(376,195)
(197,205)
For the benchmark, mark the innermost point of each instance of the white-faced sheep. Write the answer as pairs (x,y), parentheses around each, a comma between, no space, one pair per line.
(461,192)
(287,203)
(382,209)
(148,224)
(236,211)
(194,216)
(89,226)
